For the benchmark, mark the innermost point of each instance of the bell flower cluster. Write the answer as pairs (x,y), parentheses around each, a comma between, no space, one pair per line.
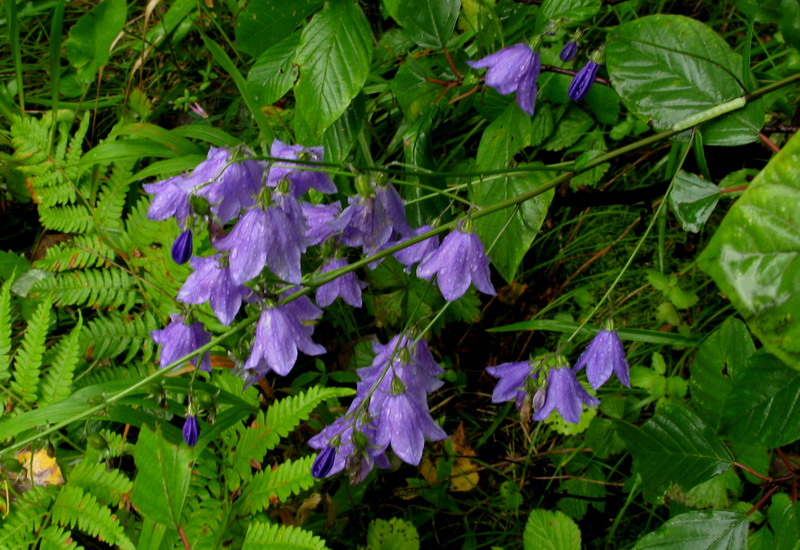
(261,225)
(551,385)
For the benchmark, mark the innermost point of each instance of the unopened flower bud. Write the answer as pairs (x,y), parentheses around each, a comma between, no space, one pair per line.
(182,247)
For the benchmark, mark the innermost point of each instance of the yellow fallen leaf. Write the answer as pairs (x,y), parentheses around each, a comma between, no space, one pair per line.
(42,468)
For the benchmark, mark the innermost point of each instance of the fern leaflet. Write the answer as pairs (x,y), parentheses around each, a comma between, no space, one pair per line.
(73,507)
(107,486)
(286,479)
(112,334)
(28,360)
(282,417)
(82,251)
(57,381)
(5,330)
(56,538)
(67,219)
(266,536)
(92,287)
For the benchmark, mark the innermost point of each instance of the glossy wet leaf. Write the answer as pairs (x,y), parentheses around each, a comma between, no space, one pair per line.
(333,56)
(162,481)
(429,23)
(719,359)
(90,40)
(754,257)
(700,530)
(572,10)
(551,529)
(264,23)
(675,446)
(763,406)
(693,200)
(513,229)
(669,67)
(273,74)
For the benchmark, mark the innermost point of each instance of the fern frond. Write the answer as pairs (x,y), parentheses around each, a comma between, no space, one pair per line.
(74,151)
(111,200)
(66,219)
(56,538)
(30,138)
(19,529)
(5,331)
(74,507)
(112,334)
(282,417)
(106,374)
(81,252)
(141,231)
(107,487)
(286,479)
(28,360)
(266,536)
(92,287)
(57,381)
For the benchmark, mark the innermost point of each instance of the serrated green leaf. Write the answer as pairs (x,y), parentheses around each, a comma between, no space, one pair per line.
(513,229)
(90,39)
(693,200)
(429,23)
(763,406)
(574,11)
(264,23)
(162,481)
(393,534)
(273,73)
(714,530)
(675,446)
(551,530)
(754,256)
(670,67)
(569,129)
(28,359)
(719,359)
(333,56)
(57,381)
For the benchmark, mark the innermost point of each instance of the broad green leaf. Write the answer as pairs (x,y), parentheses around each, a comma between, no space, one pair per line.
(551,530)
(763,406)
(264,23)
(422,203)
(89,43)
(719,359)
(514,228)
(675,446)
(340,137)
(693,200)
(333,56)
(273,74)
(702,530)
(572,127)
(790,22)
(669,67)
(754,257)
(784,518)
(392,534)
(573,10)
(162,481)
(429,22)
(717,492)
(413,91)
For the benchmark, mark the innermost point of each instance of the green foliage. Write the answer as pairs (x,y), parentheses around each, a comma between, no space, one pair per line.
(394,534)
(286,479)
(699,531)
(29,356)
(265,536)
(75,508)
(551,529)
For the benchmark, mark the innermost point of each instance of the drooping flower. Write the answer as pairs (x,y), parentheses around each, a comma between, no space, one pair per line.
(319,219)
(264,237)
(564,394)
(582,83)
(514,68)
(179,339)
(372,217)
(191,430)
(280,333)
(404,422)
(346,286)
(212,282)
(604,355)
(569,51)
(459,261)
(417,252)
(228,187)
(297,173)
(182,247)
(513,378)
(171,199)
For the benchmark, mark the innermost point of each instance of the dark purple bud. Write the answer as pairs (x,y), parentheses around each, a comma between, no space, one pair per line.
(182,247)
(324,462)
(191,429)
(569,51)
(583,81)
